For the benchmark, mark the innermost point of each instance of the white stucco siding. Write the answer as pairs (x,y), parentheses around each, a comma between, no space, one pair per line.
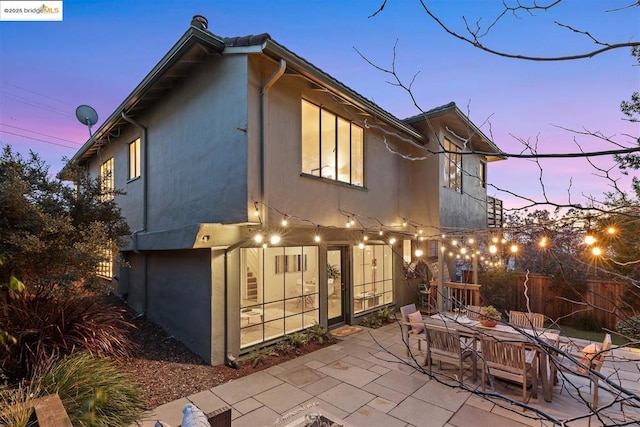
(197,156)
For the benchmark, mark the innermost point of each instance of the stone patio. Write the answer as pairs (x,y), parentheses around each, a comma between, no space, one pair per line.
(366,380)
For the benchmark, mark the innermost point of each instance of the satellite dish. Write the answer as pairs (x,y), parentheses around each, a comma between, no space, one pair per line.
(87,115)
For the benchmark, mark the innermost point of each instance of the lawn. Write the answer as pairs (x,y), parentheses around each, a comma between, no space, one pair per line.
(570,331)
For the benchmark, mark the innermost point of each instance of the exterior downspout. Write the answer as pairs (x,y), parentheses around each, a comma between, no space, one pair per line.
(263,118)
(145,215)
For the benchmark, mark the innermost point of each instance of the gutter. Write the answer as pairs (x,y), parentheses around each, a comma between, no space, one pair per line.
(145,214)
(263,118)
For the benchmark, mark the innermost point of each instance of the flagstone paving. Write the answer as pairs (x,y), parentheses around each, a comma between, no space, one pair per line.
(366,380)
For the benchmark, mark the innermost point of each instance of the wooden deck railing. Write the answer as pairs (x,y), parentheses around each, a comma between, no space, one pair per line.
(457,294)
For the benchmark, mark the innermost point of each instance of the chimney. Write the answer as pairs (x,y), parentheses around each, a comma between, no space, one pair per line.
(200,21)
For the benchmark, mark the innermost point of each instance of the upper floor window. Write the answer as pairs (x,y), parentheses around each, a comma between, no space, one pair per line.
(332,147)
(482,174)
(452,166)
(134,159)
(107,184)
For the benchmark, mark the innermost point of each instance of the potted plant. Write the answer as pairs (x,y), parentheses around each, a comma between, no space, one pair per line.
(489,316)
(332,273)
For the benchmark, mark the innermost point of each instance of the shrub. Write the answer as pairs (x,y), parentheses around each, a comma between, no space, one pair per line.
(16,405)
(260,355)
(319,334)
(371,321)
(630,328)
(297,339)
(587,322)
(497,286)
(94,391)
(48,328)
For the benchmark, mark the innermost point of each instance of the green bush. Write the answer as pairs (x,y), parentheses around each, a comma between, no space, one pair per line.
(49,328)
(497,286)
(94,391)
(587,322)
(319,334)
(630,328)
(260,355)
(297,339)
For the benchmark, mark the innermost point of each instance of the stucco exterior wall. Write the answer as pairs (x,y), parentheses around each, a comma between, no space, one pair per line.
(386,194)
(179,296)
(197,156)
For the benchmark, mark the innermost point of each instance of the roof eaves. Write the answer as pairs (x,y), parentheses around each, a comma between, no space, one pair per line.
(451,107)
(192,36)
(304,67)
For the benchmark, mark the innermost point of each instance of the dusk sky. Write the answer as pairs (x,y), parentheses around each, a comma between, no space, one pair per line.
(101,50)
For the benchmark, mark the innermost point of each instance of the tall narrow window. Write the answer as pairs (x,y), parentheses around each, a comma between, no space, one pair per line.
(452,166)
(134,159)
(482,174)
(105,266)
(332,147)
(107,184)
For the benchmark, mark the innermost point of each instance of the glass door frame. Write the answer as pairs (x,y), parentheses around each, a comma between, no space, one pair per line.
(345,285)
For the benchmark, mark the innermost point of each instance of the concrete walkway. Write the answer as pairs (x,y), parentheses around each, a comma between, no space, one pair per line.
(360,382)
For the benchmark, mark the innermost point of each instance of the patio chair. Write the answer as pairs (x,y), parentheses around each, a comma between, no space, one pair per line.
(446,346)
(473,311)
(521,318)
(510,361)
(412,326)
(591,358)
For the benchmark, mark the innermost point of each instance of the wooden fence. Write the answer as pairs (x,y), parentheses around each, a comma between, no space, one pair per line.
(602,300)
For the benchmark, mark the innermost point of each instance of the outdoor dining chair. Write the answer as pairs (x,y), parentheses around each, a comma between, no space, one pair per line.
(521,318)
(412,326)
(591,358)
(510,361)
(445,346)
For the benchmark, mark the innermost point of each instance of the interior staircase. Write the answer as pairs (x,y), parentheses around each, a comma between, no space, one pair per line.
(252,286)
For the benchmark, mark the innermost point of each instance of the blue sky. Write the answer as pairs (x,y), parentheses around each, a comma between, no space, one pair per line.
(102,50)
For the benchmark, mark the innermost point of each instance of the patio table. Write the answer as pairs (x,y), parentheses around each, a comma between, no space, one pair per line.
(506,332)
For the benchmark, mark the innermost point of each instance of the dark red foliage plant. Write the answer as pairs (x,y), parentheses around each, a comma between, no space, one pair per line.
(48,327)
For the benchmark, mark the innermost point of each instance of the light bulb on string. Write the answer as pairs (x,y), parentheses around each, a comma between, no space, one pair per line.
(596,251)
(258,238)
(514,248)
(365,238)
(493,249)
(274,239)
(284,222)
(589,239)
(392,240)
(611,230)
(361,245)
(418,253)
(404,222)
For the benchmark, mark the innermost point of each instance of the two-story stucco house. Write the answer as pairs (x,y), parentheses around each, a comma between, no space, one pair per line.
(265,196)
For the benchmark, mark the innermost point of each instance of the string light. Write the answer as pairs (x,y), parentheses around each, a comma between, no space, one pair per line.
(404,222)
(611,230)
(589,239)
(514,248)
(256,211)
(365,237)
(285,222)
(418,253)
(392,240)
(493,249)
(274,239)
(361,245)
(543,242)
(471,241)
(316,238)
(596,251)
(352,221)
(380,232)
(454,242)
(494,240)
(463,251)
(258,238)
